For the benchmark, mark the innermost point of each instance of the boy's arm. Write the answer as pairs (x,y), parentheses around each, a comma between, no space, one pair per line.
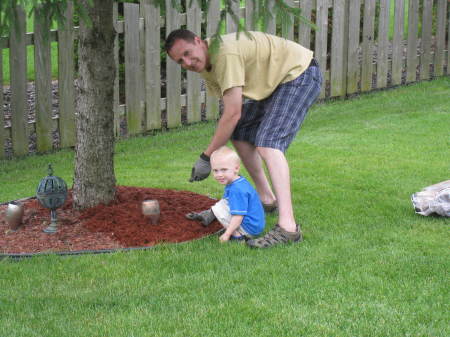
(235,222)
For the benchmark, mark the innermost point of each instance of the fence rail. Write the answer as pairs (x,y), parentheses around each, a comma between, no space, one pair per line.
(361,45)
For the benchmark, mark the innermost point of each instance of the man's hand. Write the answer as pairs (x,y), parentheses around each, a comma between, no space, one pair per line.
(201,168)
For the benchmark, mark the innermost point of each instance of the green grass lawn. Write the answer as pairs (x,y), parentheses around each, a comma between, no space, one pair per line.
(369,266)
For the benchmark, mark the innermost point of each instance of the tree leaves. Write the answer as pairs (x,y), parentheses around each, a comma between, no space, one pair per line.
(264,11)
(54,9)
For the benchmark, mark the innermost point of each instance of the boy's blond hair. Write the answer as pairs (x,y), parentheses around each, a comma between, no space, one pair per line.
(226,153)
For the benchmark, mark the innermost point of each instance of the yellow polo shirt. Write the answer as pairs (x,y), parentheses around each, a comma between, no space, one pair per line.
(257,64)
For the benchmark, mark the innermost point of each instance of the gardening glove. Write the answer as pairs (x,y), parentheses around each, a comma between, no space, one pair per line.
(201,168)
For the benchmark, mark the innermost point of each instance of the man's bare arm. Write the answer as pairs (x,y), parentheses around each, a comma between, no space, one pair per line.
(232,109)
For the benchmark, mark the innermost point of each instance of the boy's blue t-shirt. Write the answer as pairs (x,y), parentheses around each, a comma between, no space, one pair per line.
(244,200)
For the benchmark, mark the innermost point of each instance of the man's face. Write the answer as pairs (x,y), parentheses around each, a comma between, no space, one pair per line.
(191,56)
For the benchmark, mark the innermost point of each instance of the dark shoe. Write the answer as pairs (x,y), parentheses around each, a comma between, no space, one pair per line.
(241,238)
(270,208)
(205,217)
(276,236)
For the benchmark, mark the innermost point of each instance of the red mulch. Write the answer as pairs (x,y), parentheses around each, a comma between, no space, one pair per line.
(117,225)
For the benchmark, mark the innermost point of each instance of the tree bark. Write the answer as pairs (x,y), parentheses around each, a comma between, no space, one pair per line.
(94,178)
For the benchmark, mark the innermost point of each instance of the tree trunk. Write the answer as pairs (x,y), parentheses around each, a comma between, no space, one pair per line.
(94,181)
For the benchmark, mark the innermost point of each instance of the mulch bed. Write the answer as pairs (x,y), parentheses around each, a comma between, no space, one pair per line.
(118,225)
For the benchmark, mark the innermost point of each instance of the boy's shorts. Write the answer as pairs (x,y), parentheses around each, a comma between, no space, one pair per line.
(274,121)
(221,210)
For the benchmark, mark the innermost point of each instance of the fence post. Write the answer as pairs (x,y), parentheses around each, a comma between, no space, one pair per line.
(212,103)
(132,69)
(339,47)
(18,62)
(397,45)
(42,66)
(194,21)
(250,8)
(367,45)
(2,113)
(152,66)
(383,44)
(117,77)
(173,73)
(304,30)
(425,44)
(448,47)
(231,25)
(353,67)
(440,39)
(411,57)
(289,34)
(321,40)
(271,24)
(66,87)
(141,25)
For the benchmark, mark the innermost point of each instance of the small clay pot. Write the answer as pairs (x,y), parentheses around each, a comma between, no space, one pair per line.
(14,214)
(150,209)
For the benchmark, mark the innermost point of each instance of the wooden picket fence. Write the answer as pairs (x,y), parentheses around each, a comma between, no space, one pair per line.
(351,44)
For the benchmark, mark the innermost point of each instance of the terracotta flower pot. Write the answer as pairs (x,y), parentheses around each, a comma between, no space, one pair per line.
(14,214)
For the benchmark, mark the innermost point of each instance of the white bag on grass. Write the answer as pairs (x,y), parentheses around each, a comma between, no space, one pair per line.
(433,199)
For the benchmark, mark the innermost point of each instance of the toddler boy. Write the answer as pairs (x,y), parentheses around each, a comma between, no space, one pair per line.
(240,210)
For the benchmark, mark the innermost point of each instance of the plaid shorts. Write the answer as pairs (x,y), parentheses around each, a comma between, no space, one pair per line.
(274,121)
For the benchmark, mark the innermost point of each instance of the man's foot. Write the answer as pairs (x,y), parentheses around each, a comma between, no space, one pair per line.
(276,236)
(205,217)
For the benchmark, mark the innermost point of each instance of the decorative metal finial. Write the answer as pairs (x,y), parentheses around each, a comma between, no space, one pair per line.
(50,170)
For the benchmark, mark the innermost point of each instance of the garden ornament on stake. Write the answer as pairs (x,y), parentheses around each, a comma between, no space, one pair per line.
(52,193)
(150,209)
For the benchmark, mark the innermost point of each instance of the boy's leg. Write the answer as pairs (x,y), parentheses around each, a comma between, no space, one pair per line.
(205,217)
(222,212)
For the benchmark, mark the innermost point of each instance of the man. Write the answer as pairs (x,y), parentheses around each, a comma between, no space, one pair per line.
(281,80)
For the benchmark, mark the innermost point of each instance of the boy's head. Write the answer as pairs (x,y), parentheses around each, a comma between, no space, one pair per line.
(225,165)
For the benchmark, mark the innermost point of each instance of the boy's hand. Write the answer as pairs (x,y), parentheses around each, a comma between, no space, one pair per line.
(201,168)
(224,237)
(235,222)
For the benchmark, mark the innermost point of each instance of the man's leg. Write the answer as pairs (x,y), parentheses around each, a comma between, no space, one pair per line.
(286,230)
(285,111)
(279,173)
(253,163)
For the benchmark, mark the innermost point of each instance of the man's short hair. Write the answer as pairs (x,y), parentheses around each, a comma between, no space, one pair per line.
(178,34)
